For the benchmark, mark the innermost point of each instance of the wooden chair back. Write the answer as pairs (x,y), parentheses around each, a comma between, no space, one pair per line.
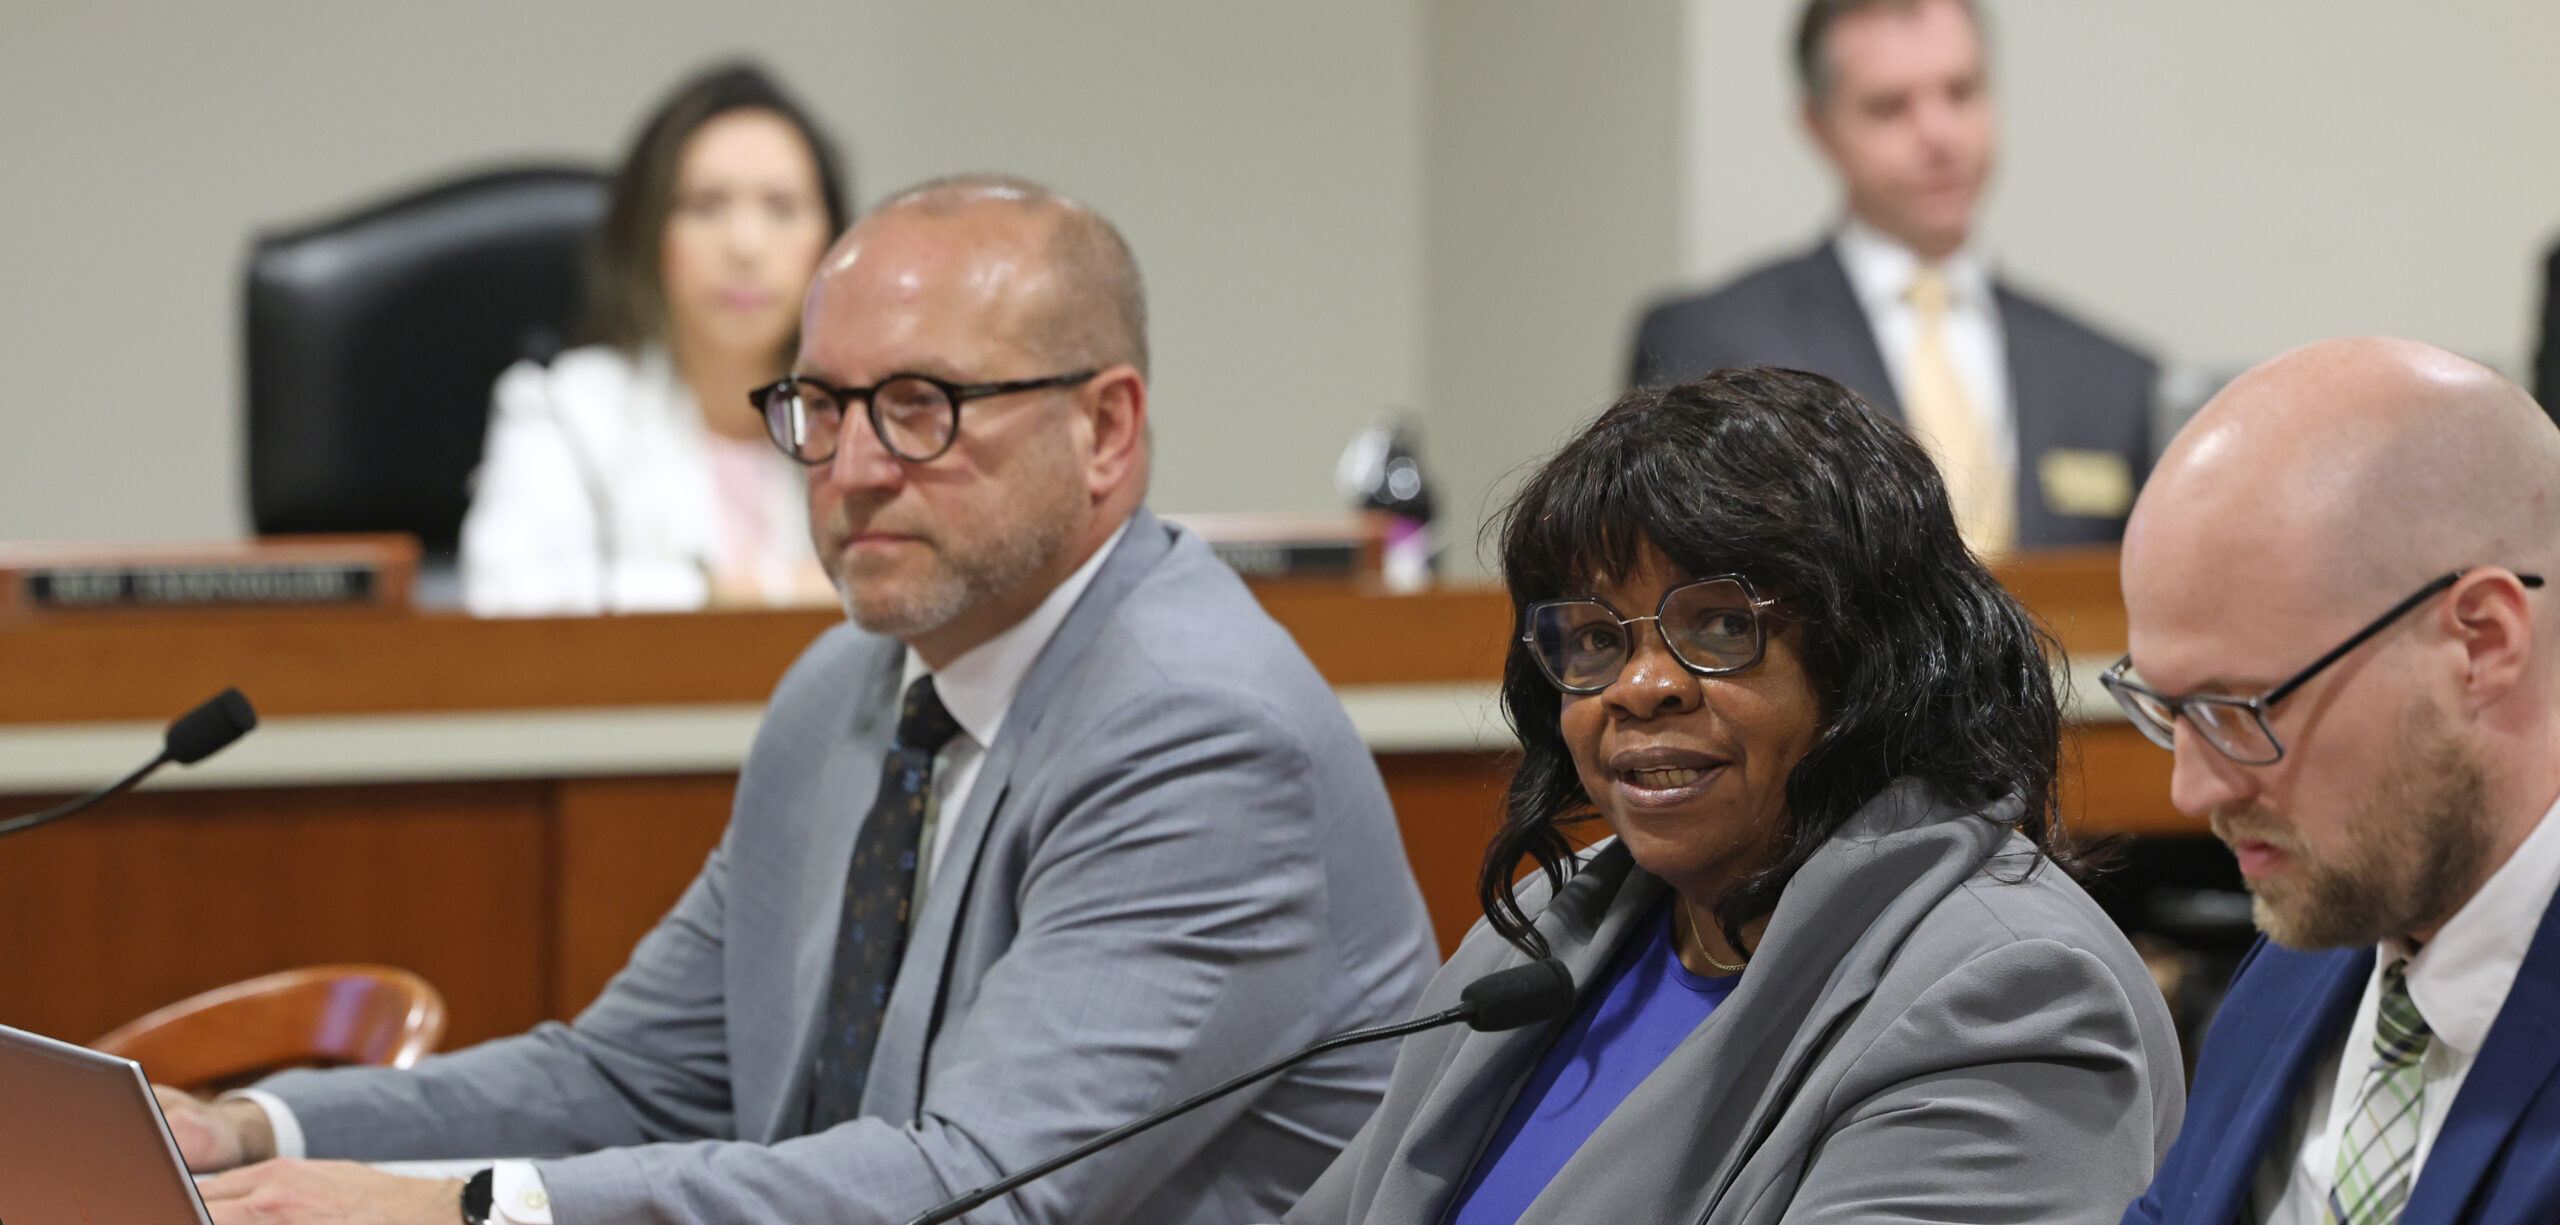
(319,1016)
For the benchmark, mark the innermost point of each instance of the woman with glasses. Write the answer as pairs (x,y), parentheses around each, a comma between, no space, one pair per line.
(1831,961)
(622,475)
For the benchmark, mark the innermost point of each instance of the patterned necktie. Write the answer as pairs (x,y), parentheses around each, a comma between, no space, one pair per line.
(2380,1143)
(877,890)
(1980,486)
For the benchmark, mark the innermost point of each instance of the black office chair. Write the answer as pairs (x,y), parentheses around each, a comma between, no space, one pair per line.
(2546,358)
(373,339)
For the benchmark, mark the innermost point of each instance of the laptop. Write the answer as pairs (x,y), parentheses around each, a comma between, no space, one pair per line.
(83,1143)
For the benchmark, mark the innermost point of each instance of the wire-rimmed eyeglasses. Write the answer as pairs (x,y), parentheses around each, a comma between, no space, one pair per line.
(2237,727)
(917,416)
(1712,626)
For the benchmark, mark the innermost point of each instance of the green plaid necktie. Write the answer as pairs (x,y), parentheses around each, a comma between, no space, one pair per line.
(2378,1150)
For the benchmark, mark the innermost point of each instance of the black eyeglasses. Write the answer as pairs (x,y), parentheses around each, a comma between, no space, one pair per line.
(1712,626)
(2236,727)
(917,416)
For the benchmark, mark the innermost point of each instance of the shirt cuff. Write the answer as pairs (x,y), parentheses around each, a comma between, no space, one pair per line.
(280,1120)
(517,1195)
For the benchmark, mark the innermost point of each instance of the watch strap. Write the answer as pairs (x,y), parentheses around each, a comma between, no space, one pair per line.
(479,1197)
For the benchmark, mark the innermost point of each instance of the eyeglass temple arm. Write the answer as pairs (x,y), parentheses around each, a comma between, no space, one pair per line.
(2420,596)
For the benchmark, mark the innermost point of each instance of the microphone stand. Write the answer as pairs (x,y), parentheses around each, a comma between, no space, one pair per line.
(192,737)
(953,1208)
(19,825)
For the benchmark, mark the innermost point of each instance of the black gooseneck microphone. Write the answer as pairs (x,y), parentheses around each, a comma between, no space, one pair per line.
(198,734)
(1504,999)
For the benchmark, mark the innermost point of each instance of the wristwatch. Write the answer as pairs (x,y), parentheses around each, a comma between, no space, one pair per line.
(479,1196)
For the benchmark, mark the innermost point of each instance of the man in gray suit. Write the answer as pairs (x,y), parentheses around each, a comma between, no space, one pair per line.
(1061,829)
(2041,425)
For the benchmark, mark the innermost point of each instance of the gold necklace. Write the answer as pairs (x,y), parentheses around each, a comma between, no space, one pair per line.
(1691,921)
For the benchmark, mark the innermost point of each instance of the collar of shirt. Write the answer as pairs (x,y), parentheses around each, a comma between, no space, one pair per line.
(978,687)
(2460,979)
(1880,269)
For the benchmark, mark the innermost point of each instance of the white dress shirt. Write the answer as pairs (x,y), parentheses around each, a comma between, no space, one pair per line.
(2459,981)
(1880,272)
(978,689)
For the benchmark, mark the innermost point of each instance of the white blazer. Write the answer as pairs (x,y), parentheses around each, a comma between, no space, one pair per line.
(595,494)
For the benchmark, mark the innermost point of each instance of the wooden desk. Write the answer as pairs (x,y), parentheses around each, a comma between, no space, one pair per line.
(505,806)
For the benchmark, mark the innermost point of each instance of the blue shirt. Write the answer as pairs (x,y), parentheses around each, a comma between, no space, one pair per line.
(1649,1004)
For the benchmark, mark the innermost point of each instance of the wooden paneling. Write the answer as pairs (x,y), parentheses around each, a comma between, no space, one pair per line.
(2075,592)
(2116,782)
(327,662)
(153,665)
(1448,805)
(68,669)
(108,917)
(520,900)
(1361,636)
(626,849)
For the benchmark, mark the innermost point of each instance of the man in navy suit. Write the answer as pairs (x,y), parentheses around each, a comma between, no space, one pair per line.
(2338,622)
(2052,420)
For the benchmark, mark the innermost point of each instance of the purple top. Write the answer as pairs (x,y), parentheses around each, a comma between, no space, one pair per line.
(1648,1004)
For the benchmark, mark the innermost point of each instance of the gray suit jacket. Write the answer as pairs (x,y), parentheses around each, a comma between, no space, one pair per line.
(1177,861)
(2083,400)
(1921,1036)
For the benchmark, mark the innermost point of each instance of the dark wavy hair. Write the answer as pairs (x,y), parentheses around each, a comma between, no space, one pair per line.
(626,300)
(1923,664)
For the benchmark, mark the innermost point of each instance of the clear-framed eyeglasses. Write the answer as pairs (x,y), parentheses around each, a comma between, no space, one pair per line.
(1713,626)
(2237,727)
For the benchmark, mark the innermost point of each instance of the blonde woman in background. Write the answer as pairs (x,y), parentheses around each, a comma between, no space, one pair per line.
(626,475)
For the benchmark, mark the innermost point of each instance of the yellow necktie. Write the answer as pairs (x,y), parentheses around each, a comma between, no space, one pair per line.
(1980,485)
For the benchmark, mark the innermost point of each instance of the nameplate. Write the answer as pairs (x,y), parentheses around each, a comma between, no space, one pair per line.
(83,587)
(1290,558)
(335,571)
(1274,546)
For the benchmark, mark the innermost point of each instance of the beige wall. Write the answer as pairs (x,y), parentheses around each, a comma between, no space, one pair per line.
(1553,203)
(2218,180)
(1343,206)
(1264,159)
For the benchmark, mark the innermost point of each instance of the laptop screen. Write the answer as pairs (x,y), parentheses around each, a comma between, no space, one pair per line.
(83,1143)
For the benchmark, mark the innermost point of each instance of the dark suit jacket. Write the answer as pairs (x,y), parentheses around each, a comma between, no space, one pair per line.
(2546,355)
(2497,1161)
(2083,400)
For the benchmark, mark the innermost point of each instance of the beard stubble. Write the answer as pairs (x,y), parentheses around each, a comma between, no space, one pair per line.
(2417,848)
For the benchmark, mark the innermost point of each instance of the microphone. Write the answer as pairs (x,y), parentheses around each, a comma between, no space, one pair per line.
(1505,999)
(198,734)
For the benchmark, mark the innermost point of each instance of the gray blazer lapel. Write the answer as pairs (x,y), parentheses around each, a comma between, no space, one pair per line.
(1836,927)
(1831,324)
(835,804)
(1585,926)
(896,1087)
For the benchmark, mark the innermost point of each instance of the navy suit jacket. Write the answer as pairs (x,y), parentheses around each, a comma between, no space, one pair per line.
(2083,401)
(2497,1161)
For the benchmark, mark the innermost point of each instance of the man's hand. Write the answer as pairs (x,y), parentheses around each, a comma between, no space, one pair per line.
(331,1192)
(216,1135)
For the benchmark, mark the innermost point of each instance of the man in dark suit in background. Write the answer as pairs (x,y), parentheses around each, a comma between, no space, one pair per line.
(2042,425)
(2337,595)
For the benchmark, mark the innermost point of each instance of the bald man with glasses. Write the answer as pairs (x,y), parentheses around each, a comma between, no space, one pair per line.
(2337,621)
